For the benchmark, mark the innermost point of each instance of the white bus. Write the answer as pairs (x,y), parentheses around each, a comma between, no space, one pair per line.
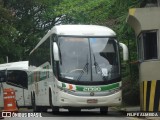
(76,67)
(14,75)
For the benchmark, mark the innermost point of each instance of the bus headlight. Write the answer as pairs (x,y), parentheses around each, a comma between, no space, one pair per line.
(65,89)
(114,90)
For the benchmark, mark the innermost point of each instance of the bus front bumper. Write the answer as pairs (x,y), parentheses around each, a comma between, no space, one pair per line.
(67,100)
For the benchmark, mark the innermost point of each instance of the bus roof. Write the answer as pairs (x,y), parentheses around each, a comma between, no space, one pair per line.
(78,30)
(21,65)
(83,30)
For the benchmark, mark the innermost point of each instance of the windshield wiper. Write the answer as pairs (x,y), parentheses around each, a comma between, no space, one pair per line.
(85,68)
(98,68)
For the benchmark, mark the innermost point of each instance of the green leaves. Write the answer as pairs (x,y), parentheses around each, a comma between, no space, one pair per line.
(7,32)
(82,11)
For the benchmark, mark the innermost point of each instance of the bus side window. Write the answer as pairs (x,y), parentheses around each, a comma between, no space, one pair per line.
(17,78)
(2,76)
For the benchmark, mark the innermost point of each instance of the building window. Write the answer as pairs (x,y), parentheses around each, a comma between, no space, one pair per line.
(150,45)
(147,45)
(140,47)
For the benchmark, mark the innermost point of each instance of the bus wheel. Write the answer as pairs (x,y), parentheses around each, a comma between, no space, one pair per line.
(55,109)
(35,108)
(43,108)
(104,110)
(17,105)
(74,110)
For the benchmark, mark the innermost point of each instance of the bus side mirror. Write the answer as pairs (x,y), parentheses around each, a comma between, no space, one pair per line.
(125,51)
(55,51)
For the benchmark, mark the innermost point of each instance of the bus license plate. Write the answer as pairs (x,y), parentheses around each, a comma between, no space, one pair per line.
(92,101)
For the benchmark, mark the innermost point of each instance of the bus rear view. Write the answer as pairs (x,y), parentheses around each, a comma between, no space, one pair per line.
(84,69)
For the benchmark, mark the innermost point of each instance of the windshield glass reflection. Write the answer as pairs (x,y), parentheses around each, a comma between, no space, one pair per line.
(88,59)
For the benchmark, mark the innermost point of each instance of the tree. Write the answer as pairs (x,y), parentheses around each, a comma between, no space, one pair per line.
(83,11)
(8,33)
(32,19)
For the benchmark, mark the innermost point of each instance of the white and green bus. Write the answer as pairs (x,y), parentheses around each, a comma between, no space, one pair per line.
(14,75)
(76,67)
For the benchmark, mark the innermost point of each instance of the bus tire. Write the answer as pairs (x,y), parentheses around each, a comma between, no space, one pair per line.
(55,109)
(104,110)
(17,105)
(31,100)
(43,108)
(35,108)
(74,110)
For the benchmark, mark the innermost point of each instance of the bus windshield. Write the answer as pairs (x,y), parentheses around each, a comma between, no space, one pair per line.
(89,59)
(16,78)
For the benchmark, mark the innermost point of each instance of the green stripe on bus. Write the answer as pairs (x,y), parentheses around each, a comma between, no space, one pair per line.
(109,87)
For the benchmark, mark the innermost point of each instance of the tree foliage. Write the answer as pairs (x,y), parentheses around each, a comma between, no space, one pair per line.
(7,33)
(28,22)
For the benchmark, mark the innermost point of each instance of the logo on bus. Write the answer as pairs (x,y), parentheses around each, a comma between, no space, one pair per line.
(92,89)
